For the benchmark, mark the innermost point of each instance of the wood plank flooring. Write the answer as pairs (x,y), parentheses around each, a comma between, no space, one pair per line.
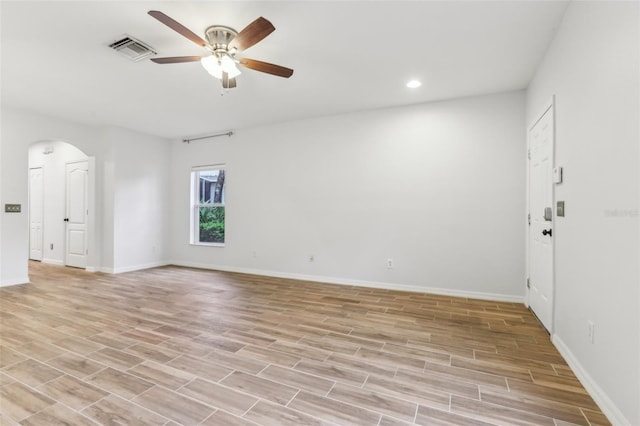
(179,346)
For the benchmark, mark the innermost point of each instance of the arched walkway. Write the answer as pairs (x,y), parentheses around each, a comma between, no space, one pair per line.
(59,194)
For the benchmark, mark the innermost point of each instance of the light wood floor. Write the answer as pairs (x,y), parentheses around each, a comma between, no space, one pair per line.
(174,345)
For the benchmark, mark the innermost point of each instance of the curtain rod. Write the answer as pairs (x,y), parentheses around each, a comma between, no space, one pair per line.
(229,133)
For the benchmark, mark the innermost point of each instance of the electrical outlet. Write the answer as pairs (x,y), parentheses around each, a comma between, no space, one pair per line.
(591,328)
(389,263)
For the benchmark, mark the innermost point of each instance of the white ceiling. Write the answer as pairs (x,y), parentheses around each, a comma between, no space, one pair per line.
(347,56)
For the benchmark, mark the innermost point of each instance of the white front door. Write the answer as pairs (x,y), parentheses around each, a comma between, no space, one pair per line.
(36,212)
(76,214)
(541,287)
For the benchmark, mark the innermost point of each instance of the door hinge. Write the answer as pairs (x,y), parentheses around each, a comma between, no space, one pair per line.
(528,283)
(529,154)
(529,218)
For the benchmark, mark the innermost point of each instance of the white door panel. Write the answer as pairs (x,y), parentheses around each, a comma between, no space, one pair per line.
(76,242)
(36,212)
(541,229)
(76,214)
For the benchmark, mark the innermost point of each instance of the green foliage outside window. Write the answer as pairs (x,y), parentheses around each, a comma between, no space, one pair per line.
(212,224)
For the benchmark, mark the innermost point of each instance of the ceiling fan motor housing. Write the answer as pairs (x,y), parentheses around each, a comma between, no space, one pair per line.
(219,37)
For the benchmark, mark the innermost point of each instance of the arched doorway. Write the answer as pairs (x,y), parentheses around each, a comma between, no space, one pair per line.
(60,198)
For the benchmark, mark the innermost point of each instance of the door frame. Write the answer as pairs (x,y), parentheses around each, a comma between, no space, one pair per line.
(53,215)
(549,105)
(92,232)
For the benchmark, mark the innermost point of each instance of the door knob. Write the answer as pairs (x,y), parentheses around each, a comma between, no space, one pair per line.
(546,232)
(66,219)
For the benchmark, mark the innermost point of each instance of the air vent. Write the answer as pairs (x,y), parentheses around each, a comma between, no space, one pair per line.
(133,49)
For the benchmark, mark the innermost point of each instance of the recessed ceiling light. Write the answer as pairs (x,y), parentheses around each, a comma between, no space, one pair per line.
(413,84)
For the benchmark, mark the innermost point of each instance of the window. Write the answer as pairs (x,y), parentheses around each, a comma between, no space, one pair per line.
(207,205)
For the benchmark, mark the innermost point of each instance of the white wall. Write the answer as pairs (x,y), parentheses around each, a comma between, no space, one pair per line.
(593,69)
(140,200)
(117,152)
(19,130)
(439,188)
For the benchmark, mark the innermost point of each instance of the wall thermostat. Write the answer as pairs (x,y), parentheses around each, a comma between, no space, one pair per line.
(557,174)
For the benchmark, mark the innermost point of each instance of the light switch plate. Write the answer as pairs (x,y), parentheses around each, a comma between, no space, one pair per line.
(12,208)
(560,208)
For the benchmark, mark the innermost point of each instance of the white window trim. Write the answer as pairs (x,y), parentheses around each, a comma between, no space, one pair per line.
(194,228)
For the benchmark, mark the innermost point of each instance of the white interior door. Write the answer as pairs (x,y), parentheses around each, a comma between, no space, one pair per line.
(76,217)
(541,286)
(36,213)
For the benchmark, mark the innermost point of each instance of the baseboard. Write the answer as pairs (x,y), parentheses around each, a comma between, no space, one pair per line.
(133,268)
(61,263)
(14,281)
(357,283)
(605,403)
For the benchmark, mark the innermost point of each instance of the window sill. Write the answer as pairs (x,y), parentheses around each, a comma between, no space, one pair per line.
(208,244)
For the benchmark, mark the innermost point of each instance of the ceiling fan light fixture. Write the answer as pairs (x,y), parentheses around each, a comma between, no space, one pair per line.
(229,66)
(216,66)
(212,65)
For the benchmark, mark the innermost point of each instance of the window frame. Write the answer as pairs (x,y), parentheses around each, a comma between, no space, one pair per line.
(195,205)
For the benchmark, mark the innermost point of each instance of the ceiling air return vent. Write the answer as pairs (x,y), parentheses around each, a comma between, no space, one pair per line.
(133,49)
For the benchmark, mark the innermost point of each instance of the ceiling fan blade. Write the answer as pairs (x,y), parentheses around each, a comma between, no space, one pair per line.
(266,67)
(178,27)
(228,83)
(176,59)
(252,33)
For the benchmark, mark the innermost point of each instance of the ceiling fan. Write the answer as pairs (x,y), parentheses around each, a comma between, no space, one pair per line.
(224,43)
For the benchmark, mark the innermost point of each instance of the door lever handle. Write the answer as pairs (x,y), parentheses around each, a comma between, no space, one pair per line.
(546,232)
